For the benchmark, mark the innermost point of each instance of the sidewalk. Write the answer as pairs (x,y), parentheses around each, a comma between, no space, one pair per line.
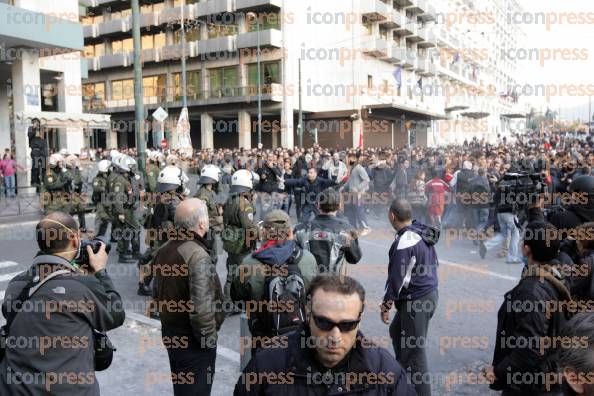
(141,367)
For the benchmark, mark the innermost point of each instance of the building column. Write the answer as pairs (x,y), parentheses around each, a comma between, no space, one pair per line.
(26,98)
(111,139)
(4,118)
(245,129)
(287,127)
(206,131)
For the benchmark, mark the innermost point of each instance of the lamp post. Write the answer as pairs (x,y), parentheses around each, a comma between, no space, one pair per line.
(255,16)
(138,95)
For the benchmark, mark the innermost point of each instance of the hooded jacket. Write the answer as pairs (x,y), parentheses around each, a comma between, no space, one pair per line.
(412,271)
(289,368)
(256,266)
(524,320)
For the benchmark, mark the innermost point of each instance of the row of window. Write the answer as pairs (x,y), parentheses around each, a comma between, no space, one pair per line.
(158,40)
(223,81)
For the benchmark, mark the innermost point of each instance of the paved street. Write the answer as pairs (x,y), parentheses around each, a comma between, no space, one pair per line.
(461,336)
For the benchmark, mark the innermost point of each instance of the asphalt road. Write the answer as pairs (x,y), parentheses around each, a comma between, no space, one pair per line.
(460,341)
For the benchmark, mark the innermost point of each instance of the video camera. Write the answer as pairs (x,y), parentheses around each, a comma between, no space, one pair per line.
(521,189)
(95,245)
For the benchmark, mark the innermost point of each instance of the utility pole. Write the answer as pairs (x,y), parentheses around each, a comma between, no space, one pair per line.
(259,85)
(300,126)
(138,95)
(183,57)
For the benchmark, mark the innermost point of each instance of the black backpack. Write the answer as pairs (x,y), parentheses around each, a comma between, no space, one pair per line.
(463,181)
(285,295)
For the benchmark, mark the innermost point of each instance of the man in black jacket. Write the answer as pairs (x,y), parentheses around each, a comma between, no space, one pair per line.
(530,318)
(38,152)
(329,238)
(269,177)
(76,303)
(311,186)
(328,355)
(577,364)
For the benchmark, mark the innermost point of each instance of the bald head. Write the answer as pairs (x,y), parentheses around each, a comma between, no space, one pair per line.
(55,232)
(192,214)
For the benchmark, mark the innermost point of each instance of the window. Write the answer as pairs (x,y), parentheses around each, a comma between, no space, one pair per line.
(223,81)
(154,86)
(192,34)
(92,51)
(215,31)
(93,96)
(267,20)
(153,41)
(122,46)
(270,74)
(122,89)
(193,85)
(368,25)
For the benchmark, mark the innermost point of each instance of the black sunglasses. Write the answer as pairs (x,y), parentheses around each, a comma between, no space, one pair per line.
(326,324)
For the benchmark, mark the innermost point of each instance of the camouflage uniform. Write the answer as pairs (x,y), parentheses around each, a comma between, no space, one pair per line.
(77,204)
(239,234)
(124,202)
(102,201)
(54,190)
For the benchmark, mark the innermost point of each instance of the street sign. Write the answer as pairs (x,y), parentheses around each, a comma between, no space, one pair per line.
(160,114)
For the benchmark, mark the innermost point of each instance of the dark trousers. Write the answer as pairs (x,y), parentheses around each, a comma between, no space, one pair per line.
(194,366)
(409,338)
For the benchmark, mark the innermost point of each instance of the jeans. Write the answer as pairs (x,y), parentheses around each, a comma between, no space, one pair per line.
(192,364)
(9,184)
(508,228)
(408,331)
(481,218)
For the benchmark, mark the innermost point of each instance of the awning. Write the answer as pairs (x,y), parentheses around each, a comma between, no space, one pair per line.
(409,109)
(67,120)
(513,115)
(456,108)
(475,114)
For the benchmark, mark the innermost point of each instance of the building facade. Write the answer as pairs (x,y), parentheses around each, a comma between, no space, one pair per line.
(371,72)
(40,77)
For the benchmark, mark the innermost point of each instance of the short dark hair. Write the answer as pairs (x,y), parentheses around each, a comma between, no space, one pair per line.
(329,200)
(344,285)
(401,209)
(55,231)
(543,240)
(580,360)
(585,235)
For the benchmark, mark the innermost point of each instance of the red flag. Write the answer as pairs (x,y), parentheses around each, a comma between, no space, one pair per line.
(361,138)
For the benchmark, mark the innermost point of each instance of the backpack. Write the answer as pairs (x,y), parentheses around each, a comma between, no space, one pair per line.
(285,296)
(325,245)
(481,192)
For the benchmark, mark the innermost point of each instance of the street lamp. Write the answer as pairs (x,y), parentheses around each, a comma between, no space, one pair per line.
(255,16)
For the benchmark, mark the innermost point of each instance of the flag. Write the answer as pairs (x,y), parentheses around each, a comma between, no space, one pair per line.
(456,58)
(361,137)
(398,76)
(183,132)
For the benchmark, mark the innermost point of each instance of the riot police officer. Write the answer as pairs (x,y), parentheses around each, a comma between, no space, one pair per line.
(77,202)
(209,181)
(240,229)
(171,189)
(127,229)
(54,184)
(100,198)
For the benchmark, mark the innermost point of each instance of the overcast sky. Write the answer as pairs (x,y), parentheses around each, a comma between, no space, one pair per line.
(575,37)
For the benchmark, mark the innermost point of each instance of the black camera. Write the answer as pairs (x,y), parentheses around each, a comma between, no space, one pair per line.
(521,189)
(95,244)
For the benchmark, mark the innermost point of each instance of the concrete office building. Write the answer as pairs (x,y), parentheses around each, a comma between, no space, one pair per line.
(386,69)
(40,77)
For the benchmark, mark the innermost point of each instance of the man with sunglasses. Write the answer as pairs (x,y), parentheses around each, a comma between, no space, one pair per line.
(327,354)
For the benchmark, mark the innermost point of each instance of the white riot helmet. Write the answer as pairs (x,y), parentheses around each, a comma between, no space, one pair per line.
(71,161)
(103,166)
(242,181)
(172,178)
(55,159)
(114,155)
(64,152)
(121,163)
(209,175)
(131,162)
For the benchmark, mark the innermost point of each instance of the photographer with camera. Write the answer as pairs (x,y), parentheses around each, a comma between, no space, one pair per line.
(56,315)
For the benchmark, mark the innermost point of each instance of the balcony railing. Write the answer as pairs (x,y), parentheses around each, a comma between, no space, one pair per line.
(268,38)
(211,7)
(377,47)
(428,37)
(257,5)
(375,10)
(395,55)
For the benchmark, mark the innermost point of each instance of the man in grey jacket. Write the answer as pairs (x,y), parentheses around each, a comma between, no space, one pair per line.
(49,347)
(357,185)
